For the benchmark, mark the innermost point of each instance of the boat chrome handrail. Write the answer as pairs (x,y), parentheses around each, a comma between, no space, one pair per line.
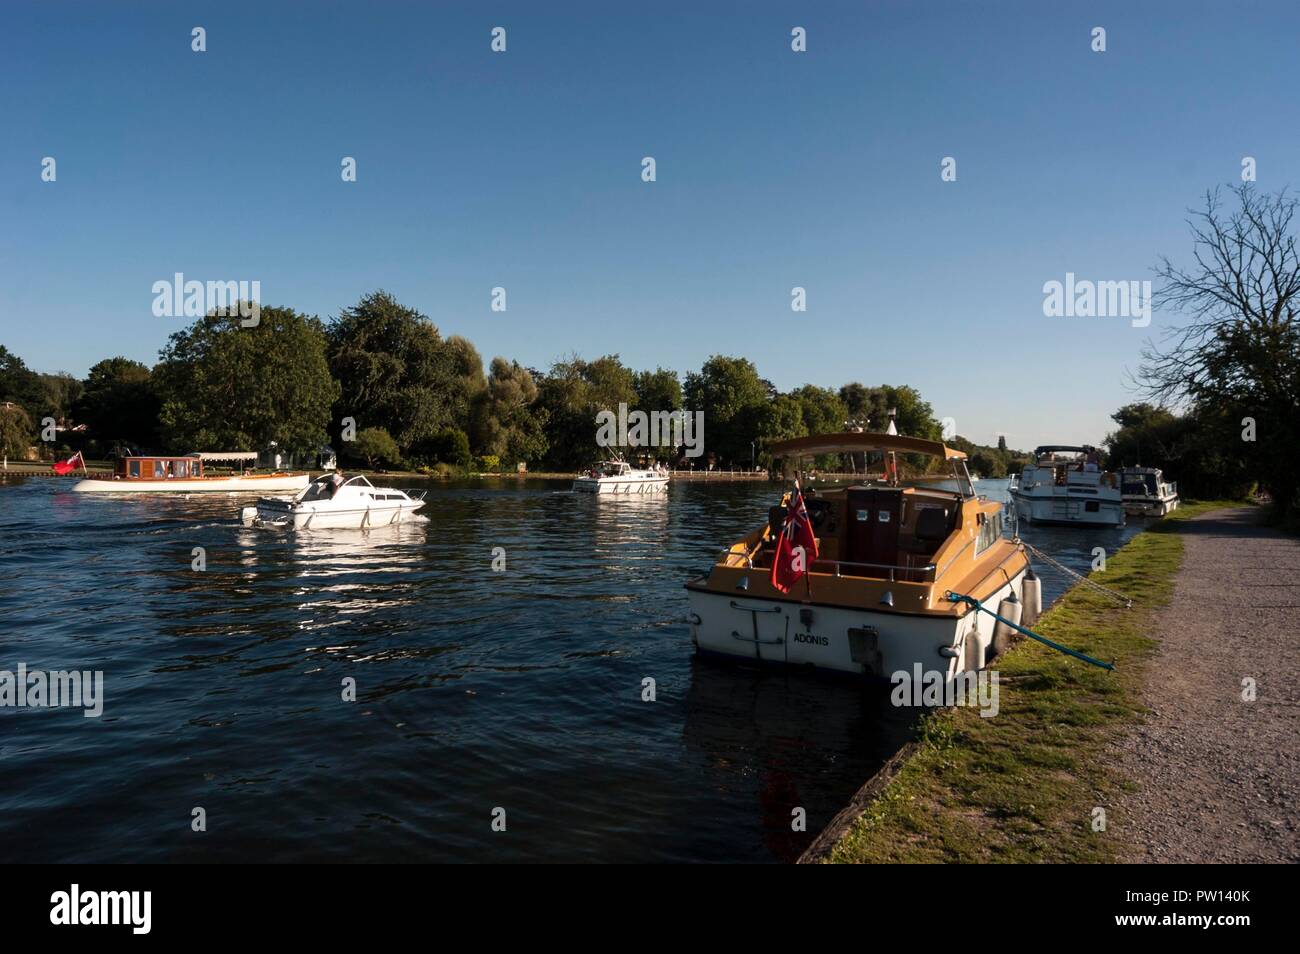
(891,567)
(731,551)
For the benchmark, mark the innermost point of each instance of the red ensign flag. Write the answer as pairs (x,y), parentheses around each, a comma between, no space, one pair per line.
(62,467)
(796,547)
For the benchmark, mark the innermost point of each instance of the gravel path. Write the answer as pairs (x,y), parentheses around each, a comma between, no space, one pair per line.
(1219,778)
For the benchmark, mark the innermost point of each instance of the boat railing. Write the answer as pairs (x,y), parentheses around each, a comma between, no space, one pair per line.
(891,568)
(731,551)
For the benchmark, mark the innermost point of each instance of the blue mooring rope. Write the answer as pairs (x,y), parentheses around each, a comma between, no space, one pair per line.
(952,597)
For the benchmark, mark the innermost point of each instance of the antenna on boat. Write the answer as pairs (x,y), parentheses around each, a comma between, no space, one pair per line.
(891,462)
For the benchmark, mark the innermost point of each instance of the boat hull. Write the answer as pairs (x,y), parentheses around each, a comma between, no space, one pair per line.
(1150,507)
(352,518)
(592,485)
(857,641)
(1063,511)
(254,483)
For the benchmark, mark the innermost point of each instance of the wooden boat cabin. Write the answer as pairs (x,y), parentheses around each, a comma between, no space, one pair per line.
(158,468)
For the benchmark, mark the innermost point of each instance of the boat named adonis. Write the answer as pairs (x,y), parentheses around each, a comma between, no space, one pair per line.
(874,601)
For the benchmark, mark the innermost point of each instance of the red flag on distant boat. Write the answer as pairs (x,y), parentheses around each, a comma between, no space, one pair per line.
(796,547)
(64,467)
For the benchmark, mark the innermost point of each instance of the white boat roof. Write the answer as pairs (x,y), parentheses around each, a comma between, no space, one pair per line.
(226,455)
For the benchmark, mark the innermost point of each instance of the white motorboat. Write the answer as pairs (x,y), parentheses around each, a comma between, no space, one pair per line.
(330,502)
(620,477)
(184,475)
(1146,492)
(1065,486)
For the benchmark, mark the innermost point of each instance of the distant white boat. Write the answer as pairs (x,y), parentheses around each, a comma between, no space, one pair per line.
(620,477)
(327,504)
(1064,486)
(1146,492)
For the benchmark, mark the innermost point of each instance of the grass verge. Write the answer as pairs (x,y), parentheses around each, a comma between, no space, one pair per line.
(1021,786)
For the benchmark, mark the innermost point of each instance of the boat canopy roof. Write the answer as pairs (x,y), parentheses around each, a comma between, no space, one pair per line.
(852,442)
(226,455)
(1053,448)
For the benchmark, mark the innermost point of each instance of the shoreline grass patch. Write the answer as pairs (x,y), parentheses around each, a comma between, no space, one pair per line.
(1022,786)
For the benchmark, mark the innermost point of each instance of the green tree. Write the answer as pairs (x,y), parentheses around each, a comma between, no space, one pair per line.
(780,419)
(570,396)
(1198,449)
(21,385)
(732,396)
(118,403)
(915,416)
(16,431)
(856,398)
(657,390)
(1232,354)
(224,386)
(1143,429)
(823,413)
(504,423)
(61,391)
(397,372)
(450,447)
(375,446)
(987,463)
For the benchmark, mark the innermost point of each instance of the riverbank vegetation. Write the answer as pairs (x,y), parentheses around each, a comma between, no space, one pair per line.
(382,385)
(1228,362)
(1024,785)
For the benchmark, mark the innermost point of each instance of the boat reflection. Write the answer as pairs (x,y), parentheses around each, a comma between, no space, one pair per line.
(798,740)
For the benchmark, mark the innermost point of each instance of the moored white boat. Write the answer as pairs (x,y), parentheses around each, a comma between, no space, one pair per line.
(875,600)
(620,477)
(1065,486)
(328,503)
(1146,492)
(184,475)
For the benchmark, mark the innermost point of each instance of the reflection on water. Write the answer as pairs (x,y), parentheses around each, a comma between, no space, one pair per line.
(475,689)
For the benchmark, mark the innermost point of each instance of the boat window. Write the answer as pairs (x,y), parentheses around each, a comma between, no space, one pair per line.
(160,468)
(133,468)
(990,532)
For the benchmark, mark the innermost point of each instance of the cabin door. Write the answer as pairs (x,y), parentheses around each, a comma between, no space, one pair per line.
(873,525)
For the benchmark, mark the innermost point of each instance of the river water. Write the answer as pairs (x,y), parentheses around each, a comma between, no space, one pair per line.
(476,691)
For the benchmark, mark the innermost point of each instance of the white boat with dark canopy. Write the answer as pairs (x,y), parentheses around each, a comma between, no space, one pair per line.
(620,477)
(1065,486)
(331,502)
(876,598)
(1146,492)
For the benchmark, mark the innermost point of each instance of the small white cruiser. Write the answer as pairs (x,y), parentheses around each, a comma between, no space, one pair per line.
(1146,492)
(1065,486)
(620,477)
(331,502)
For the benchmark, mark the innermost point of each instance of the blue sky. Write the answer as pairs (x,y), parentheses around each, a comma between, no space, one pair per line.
(522,170)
